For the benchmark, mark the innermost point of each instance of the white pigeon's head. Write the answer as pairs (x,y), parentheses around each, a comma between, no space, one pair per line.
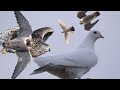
(95,34)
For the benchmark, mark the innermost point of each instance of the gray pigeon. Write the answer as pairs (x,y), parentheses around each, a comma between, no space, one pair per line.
(39,38)
(86,19)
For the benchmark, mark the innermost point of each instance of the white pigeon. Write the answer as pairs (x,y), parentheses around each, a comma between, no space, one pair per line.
(71,65)
(67,30)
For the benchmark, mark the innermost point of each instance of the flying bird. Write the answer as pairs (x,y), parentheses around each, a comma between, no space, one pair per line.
(39,38)
(67,30)
(86,19)
(25,45)
(74,64)
(22,44)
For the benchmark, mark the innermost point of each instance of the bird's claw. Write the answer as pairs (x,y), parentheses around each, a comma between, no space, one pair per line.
(4,51)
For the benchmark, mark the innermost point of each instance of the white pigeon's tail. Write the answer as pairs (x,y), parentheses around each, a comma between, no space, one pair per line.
(37,71)
(40,70)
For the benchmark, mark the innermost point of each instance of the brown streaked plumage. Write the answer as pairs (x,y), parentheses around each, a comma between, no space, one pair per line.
(86,19)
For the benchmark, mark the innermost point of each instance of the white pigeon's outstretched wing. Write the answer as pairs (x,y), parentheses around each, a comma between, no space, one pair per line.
(80,58)
(23,59)
(25,28)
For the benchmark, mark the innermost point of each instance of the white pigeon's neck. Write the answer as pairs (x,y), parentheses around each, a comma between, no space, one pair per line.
(89,42)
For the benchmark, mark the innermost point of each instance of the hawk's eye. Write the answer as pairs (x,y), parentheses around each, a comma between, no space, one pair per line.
(95,32)
(27,42)
(8,44)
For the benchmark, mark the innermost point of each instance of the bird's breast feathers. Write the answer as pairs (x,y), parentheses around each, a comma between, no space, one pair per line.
(87,19)
(80,58)
(84,58)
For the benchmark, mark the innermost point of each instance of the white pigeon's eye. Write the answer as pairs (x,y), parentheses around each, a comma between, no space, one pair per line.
(95,32)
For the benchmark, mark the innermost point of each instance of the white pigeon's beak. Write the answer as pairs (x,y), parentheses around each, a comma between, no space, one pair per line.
(101,36)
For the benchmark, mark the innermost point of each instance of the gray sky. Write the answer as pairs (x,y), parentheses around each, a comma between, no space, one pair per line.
(106,49)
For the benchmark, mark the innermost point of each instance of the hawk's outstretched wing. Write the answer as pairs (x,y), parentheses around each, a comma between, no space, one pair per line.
(23,59)
(25,28)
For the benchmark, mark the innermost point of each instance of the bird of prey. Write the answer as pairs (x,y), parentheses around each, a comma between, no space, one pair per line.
(24,44)
(74,64)
(86,19)
(67,30)
(39,38)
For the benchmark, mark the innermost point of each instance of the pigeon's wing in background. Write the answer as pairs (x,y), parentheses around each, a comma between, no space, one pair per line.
(80,58)
(67,37)
(74,59)
(25,28)
(90,25)
(42,33)
(81,14)
(23,59)
(63,25)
